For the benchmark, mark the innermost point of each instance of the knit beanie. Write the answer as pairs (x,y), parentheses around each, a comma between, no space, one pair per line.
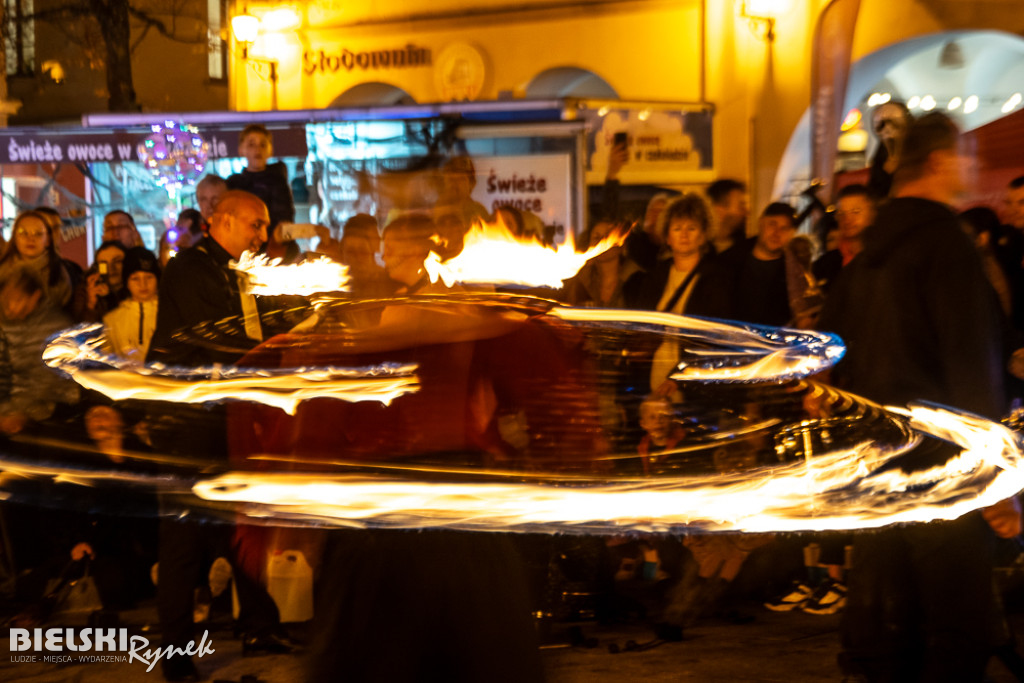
(136,259)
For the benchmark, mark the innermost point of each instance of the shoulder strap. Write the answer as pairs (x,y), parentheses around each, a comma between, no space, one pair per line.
(682,288)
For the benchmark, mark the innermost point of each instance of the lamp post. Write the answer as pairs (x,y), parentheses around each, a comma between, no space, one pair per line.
(246,29)
(761,15)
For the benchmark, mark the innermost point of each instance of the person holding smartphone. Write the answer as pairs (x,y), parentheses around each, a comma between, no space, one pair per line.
(101,290)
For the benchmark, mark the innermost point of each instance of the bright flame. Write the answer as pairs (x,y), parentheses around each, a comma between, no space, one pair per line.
(269,278)
(830,491)
(492,254)
(841,489)
(77,353)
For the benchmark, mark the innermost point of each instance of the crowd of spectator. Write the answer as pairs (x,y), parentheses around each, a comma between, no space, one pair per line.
(690,254)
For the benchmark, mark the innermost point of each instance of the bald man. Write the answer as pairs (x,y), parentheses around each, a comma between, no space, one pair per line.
(199,286)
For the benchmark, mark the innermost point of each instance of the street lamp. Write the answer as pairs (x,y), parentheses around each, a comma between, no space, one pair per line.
(762,14)
(246,28)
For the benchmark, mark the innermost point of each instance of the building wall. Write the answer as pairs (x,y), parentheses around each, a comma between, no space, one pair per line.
(643,50)
(680,51)
(685,51)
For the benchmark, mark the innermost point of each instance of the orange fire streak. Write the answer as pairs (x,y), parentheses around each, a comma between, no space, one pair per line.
(267,277)
(492,254)
(830,491)
(120,380)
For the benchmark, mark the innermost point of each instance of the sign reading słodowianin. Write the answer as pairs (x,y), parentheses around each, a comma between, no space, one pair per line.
(334,60)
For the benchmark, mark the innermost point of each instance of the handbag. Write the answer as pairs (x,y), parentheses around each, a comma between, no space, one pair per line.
(76,596)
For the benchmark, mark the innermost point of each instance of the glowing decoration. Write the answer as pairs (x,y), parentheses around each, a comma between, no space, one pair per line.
(971,104)
(1011,104)
(928,103)
(268,277)
(175,154)
(851,120)
(492,254)
(954,103)
(878,98)
(914,102)
(78,353)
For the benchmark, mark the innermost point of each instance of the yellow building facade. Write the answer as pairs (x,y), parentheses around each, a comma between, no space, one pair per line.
(755,76)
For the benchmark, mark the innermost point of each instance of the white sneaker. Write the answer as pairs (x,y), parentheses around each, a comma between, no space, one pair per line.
(220,576)
(828,598)
(798,593)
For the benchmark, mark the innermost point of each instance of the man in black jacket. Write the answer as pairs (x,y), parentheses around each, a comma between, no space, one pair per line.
(920,322)
(199,286)
(757,269)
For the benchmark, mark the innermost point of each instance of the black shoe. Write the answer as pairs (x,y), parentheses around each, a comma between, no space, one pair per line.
(668,632)
(267,644)
(179,668)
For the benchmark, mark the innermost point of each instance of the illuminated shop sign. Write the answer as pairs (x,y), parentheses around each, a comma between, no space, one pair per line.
(664,145)
(19,146)
(536,184)
(328,61)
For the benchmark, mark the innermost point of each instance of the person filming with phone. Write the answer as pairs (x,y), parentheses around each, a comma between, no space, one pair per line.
(102,290)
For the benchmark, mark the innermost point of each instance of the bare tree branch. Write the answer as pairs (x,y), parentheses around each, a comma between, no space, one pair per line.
(75,11)
(151,21)
(142,36)
(103,29)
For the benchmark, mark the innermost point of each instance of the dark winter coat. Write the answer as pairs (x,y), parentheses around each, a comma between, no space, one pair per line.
(918,316)
(708,298)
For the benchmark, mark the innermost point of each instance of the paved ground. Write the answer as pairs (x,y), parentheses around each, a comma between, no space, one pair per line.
(784,648)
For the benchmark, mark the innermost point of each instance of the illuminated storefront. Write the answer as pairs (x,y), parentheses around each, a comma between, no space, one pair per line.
(749,62)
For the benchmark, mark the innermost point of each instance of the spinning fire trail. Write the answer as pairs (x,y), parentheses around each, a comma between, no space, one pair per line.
(830,454)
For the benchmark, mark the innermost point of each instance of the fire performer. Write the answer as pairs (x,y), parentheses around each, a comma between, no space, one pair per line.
(199,286)
(397,605)
(920,322)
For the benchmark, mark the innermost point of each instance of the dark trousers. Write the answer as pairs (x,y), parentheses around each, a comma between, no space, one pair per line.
(411,607)
(920,603)
(186,550)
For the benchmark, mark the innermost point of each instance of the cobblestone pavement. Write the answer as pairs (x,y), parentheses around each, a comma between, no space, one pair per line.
(788,648)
